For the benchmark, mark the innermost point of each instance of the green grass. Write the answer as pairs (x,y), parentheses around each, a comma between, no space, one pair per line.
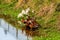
(52,36)
(51,32)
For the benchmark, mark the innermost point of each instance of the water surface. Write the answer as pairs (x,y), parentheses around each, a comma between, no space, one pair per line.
(9,32)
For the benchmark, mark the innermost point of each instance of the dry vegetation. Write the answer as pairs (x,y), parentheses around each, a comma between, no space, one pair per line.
(46,12)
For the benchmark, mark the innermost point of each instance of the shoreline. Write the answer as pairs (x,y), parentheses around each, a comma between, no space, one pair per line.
(10,20)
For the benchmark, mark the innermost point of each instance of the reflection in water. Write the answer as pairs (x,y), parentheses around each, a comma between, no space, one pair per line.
(8,27)
(31,32)
(3,36)
(17,33)
(5,31)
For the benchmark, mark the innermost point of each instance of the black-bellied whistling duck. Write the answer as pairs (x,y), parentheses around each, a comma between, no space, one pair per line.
(30,23)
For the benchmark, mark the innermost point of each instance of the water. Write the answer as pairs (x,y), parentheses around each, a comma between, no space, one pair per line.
(3,36)
(11,33)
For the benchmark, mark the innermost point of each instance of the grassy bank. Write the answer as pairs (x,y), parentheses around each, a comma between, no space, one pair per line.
(49,19)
